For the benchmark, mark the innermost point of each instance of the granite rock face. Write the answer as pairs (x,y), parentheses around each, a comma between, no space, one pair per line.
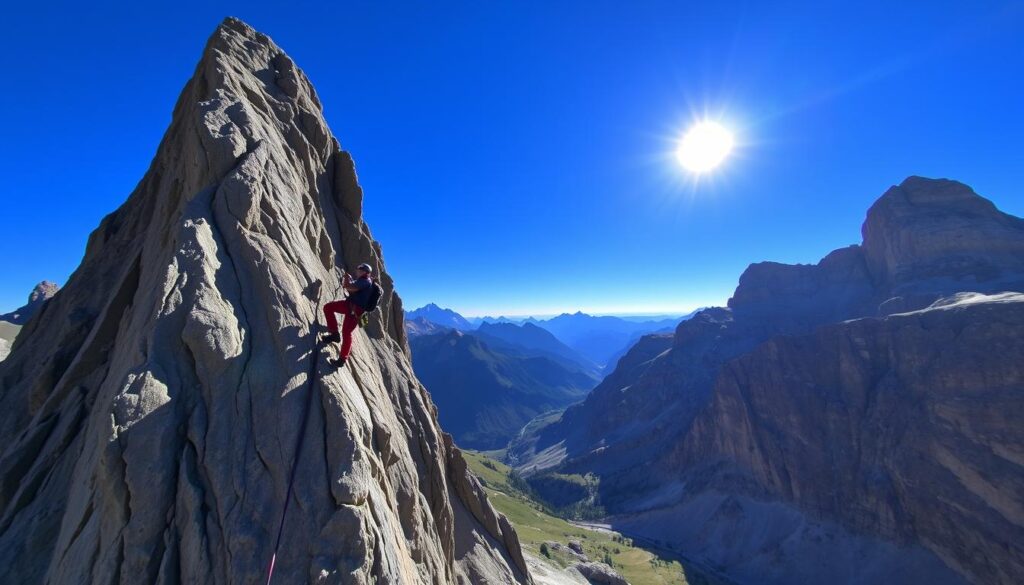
(840,422)
(36,299)
(150,415)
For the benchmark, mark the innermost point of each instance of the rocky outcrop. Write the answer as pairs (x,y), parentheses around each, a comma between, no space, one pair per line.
(151,414)
(575,552)
(36,299)
(839,422)
(600,574)
(937,234)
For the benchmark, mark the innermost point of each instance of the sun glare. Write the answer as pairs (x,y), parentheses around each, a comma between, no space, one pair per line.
(704,146)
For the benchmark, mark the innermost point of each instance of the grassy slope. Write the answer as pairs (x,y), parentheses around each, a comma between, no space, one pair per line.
(637,565)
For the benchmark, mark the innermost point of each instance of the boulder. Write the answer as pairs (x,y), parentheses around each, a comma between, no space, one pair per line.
(600,574)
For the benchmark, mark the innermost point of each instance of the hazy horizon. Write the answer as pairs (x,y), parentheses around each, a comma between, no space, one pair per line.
(667,313)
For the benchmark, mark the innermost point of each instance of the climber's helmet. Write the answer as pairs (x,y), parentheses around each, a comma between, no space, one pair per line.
(364,269)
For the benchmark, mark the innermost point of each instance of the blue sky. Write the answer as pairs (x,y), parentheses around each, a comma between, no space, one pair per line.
(517,157)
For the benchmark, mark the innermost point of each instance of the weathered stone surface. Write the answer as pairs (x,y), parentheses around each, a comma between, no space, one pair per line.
(149,418)
(36,299)
(879,442)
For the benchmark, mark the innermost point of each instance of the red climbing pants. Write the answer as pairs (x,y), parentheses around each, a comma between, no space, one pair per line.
(348,325)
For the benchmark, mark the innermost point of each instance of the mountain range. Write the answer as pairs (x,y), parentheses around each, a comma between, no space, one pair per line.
(490,382)
(603,338)
(529,340)
(486,393)
(599,340)
(852,421)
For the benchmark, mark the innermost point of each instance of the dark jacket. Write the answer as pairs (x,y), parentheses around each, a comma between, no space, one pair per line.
(362,296)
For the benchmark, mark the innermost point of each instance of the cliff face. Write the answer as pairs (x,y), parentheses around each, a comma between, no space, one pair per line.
(149,418)
(905,427)
(816,401)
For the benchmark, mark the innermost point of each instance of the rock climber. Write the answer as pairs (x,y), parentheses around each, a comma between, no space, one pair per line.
(361,292)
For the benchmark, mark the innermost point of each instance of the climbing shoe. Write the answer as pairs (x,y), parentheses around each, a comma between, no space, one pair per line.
(330,337)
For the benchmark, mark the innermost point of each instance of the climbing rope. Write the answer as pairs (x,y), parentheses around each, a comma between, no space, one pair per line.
(298,448)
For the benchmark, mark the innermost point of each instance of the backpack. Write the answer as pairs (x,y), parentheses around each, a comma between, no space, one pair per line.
(373,299)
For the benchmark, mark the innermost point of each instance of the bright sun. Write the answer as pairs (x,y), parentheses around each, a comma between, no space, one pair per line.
(704,147)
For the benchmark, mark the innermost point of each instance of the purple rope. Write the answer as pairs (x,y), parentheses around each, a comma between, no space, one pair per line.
(298,454)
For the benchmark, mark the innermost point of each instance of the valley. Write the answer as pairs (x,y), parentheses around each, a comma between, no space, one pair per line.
(537,527)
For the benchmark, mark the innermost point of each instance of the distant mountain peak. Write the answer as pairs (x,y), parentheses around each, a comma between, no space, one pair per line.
(440,316)
(41,293)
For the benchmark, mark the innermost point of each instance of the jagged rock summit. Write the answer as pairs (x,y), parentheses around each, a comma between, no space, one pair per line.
(150,417)
(39,295)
